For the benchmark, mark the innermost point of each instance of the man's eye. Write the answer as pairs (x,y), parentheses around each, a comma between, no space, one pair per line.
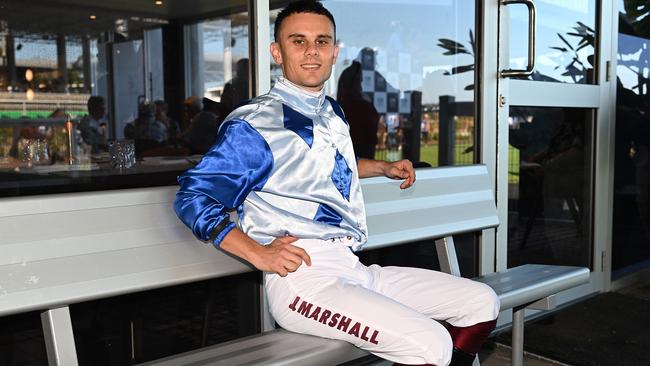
(298,41)
(322,42)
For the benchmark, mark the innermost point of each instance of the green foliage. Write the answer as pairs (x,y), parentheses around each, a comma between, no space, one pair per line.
(636,14)
(452,47)
(582,36)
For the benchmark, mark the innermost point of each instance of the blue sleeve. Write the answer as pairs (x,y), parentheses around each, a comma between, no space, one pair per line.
(238,163)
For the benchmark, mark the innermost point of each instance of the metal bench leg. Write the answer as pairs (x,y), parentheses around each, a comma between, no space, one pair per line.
(59,340)
(518,336)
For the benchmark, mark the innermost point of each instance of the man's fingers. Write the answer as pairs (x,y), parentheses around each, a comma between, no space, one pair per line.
(291,258)
(300,253)
(287,239)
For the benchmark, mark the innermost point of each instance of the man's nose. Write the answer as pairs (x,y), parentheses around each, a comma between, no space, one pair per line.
(311,50)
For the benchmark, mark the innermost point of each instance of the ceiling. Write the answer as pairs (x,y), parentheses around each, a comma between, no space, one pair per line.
(72,17)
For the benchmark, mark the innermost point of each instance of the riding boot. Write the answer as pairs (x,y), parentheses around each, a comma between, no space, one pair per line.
(460,358)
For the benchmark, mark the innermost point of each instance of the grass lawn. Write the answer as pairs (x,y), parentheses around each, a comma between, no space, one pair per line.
(429,154)
(33,114)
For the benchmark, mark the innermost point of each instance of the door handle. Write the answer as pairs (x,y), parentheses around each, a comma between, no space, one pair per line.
(532,26)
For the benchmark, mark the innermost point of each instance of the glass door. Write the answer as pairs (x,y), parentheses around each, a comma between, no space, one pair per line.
(553,121)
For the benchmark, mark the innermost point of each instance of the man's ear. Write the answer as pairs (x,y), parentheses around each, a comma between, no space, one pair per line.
(336,53)
(275,53)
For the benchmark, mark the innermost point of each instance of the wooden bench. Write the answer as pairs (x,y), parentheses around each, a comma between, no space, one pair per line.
(131,241)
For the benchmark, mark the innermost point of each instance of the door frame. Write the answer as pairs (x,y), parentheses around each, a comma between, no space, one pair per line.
(499,94)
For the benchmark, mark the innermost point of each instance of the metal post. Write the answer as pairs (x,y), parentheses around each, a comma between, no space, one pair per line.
(413,130)
(86,57)
(518,336)
(446,130)
(59,340)
(447,256)
(10,49)
(62,62)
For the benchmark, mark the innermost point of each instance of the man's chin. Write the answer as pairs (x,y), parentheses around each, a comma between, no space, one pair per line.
(313,85)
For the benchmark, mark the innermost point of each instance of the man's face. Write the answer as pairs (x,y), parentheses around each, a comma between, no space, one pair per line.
(99,112)
(306,50)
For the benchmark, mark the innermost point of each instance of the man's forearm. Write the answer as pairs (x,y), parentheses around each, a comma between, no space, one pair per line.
(371,168)
(280,256)
(241,245)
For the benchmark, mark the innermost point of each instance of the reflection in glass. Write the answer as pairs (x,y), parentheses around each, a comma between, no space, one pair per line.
(218,75)
(566,35)
(549,186)
(631,226)
(224,60)
(72,84)
(405,78)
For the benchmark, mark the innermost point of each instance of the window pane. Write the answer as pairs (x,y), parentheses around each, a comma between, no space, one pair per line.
(140,327)
(549,186)
(631,226)
(566,35)
(22,341)
(113,97)
(422,254)
(224,62)
(405,78)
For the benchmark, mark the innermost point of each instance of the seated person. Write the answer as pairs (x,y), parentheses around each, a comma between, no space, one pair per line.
(90,126)
(171,127)
(145,130)
(286,164)
(202,131)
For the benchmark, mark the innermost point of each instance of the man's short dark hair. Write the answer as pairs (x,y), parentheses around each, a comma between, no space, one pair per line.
(302,6)
(95,102)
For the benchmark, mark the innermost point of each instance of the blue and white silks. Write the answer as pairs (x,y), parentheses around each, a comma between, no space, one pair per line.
(285,162)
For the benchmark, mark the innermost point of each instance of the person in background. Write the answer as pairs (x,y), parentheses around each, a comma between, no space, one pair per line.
(90,126)
(235,91)
(172,128)
(145,130)
(361,114)
(202,130)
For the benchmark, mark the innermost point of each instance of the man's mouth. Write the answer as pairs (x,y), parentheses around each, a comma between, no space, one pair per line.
(310,66)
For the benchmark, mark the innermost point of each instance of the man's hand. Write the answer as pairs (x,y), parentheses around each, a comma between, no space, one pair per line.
(281,256)
(402,169)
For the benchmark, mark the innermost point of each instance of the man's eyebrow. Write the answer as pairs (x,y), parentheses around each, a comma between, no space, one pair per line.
(299,35)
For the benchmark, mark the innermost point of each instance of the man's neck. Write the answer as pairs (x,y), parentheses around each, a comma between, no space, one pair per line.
(305,89)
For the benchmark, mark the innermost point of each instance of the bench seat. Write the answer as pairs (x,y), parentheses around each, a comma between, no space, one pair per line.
(276,347)
(528,283)
(516,287)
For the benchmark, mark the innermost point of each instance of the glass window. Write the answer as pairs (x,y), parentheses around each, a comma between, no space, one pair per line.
(94,99)
(22,341)
(549,186)
(405,78)
(631,226)
(422,254)
(566,36)
(222,63)
(140,327)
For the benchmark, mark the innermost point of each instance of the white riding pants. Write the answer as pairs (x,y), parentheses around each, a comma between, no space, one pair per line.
(388,311)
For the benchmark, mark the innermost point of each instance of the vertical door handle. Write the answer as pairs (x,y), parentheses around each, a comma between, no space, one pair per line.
(532,22)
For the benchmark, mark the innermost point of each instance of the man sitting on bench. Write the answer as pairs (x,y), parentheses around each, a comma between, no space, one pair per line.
(286,163)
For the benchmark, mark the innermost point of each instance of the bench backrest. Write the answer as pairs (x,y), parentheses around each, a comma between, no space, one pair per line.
(443,202)
(86,246)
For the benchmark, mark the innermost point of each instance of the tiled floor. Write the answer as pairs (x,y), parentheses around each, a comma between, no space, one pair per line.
(494,354)
(499,355)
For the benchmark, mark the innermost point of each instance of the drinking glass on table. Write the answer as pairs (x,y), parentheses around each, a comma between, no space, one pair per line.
(122,153)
